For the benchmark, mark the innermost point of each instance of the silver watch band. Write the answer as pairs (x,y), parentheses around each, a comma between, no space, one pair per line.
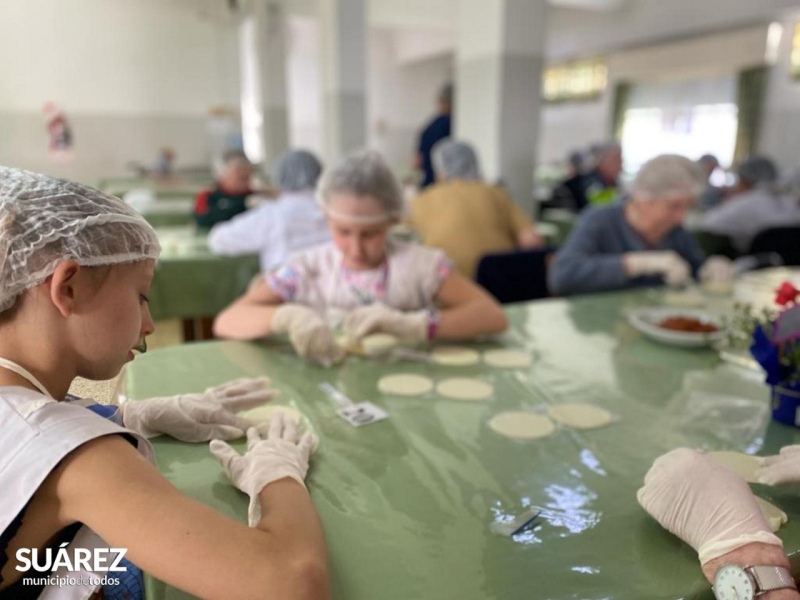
(771,578)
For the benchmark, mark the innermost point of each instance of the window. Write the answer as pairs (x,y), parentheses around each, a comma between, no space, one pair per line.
(582,80)
(794,64)
(690,118)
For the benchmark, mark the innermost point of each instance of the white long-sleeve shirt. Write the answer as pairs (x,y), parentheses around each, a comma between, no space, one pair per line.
(746,215)
(274,230)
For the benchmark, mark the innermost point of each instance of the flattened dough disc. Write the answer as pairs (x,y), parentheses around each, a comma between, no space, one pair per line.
(743,464)
(262,414)
(464,388)
(580,416)
(774,515)
(405,384)
(521,425)
(455,356)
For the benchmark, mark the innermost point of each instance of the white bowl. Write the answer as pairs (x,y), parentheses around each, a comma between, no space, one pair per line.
(646,321)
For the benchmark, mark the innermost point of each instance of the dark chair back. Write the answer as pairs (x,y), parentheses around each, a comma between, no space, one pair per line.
(781,240)
(515,276)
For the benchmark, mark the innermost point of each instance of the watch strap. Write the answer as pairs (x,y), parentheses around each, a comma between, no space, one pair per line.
(771,578)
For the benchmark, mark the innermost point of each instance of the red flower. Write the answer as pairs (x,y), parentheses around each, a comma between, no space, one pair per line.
(786,293)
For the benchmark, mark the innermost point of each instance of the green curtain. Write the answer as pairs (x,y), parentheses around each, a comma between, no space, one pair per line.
(622,94)
(750,99)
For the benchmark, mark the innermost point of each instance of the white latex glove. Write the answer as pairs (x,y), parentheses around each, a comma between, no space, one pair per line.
(309,334)
(199,417)
(667,263)
(283,452)
(781,469)
(379,318)
(704,503)
(717,269)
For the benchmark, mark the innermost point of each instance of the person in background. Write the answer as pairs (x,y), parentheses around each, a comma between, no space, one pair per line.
(466,217)
(758,205)
(438,129)
(713,195)
(363,280)
(277,229)
(228,197)
(598,186)
(713,509)
(163,168)
(77,269)
(639,241)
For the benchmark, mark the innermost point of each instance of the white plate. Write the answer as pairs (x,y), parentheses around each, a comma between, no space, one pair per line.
(646,321)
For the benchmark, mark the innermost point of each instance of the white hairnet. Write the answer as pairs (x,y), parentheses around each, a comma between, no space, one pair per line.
(296,170)
(44,220)
(669,176)
(453,159)
(362,174)
(758,170)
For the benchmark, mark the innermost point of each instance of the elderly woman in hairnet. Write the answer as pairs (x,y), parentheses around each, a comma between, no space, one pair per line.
(380,285)
(466,217)
(276,229)
(640,241)
(758,207)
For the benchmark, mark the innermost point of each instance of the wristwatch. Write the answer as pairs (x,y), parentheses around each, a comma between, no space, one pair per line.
(732,582)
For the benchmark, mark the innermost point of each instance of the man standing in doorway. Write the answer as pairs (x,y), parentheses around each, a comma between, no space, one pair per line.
(437,129)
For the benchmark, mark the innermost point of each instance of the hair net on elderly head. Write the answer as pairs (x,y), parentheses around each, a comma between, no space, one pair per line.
(669,176)
(44,220)
(296,170)
(453,159)
(362,174)
(758,170)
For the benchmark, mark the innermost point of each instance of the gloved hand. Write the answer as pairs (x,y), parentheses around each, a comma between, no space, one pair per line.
(379,318)
(309,334)
(281,453)
(667,263)
(704,503)
(781,469)
(199,417)
(717,269)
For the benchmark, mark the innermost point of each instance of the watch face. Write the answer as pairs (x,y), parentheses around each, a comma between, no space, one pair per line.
(732,583)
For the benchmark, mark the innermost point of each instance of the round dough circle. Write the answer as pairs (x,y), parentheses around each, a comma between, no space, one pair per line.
(580,416)
(774,516)
(455,356)
(464,388)
(718,288)
(378,343)
(262,414)
(743,464)
(521,425)
(507,359)
(405,384)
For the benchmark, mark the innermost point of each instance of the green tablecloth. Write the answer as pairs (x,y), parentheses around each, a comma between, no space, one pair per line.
(563,220)
(407,503)
(191,281)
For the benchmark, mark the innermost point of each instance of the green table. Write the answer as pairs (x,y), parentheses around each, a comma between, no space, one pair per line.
(407,503)
(563,220)
(191,281)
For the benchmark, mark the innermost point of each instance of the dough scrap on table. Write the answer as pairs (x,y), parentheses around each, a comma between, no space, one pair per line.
(743,464)
(260,416)
(464,388)
(507,359)
(521,425)
(774,516)
(456,356)
(370,345)
(580,416)
(405,384)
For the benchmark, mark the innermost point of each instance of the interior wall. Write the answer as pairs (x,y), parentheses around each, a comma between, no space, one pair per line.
(130,76)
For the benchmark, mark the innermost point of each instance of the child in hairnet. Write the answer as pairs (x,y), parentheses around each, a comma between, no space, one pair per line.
(75,270)
(383,286)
